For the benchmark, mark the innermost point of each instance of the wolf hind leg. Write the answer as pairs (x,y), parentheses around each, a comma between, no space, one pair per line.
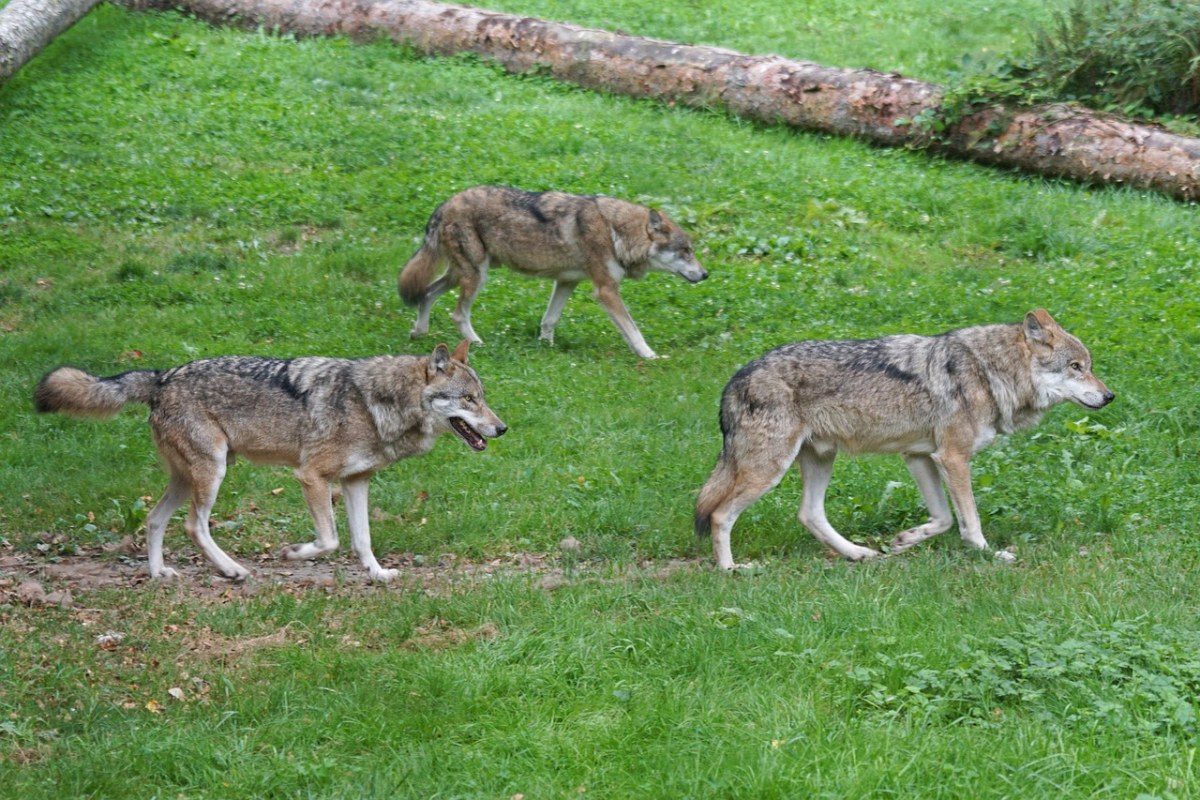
(172,498)
(319,499)
(206,480)
(925,473)
(558,300)
(425,305)
(757,468)
(469,284)
(469,263)
(817,469)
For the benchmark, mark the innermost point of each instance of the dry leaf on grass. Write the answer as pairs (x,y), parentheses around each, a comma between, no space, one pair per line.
(441,635)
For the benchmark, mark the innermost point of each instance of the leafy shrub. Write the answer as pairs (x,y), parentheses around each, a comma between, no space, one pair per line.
(1135,57)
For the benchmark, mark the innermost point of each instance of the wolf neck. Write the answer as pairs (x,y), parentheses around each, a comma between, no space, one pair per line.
(1004,359)
(391,388)
(626,226)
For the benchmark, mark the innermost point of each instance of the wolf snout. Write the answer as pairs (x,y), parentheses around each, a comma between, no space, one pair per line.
(501,428)
(1108,397)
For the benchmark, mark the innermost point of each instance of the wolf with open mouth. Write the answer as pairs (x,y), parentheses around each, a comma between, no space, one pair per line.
(331,419)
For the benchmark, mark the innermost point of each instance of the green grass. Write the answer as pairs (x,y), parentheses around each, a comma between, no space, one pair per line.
(919,38)
(170,191)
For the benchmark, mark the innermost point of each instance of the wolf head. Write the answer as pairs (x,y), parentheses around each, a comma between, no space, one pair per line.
(454,394)
(1061,365)
(671,249)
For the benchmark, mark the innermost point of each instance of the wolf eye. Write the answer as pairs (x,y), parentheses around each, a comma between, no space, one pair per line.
(470,398)
(1075,365)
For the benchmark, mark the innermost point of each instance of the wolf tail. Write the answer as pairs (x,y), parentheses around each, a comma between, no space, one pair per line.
(418,272)
(76,393)
(716,490)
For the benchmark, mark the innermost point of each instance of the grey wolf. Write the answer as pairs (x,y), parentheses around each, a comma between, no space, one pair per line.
(330,419)
(565,238)
(935,400)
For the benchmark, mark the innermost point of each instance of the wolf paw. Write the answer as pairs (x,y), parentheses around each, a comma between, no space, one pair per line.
(236,573)
(301,551)
(862,554)
(165,575)
(416,333)
(384,575)
(903,541)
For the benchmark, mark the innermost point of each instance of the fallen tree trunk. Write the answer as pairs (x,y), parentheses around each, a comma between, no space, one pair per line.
(27,26)
(1058,140)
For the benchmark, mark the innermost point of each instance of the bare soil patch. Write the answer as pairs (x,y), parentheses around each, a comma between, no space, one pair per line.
(69,576)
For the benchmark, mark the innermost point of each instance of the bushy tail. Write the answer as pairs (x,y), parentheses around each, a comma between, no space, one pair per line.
(418,272)
(74,392)
(715,491)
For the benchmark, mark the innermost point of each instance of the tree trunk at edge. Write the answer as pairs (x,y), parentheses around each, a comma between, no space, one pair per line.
(27,26)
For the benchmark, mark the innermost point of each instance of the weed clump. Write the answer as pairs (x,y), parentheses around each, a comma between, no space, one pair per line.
(1140,58)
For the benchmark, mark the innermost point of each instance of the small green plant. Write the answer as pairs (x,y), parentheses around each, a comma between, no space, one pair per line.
(127,518)
(1140,679)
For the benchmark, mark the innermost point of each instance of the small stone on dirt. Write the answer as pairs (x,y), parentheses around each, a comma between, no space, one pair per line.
(109,640)
(61,598)
(31,593)
(570,545)
(552,582)
(127,546)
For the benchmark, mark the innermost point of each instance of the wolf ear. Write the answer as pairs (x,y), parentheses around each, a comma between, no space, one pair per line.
(440,359)
(656,221)
(460,352)
(1039,326)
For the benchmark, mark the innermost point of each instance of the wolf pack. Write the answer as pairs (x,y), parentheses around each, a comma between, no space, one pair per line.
(934,400)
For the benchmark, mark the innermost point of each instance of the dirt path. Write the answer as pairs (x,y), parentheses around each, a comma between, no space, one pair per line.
(94,571)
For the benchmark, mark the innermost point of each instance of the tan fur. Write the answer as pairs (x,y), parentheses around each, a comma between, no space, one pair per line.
(936,401)
(329,419)
(74,392)
(552,235)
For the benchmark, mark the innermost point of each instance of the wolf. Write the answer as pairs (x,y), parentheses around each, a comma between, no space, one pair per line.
(566,238)
(935,400)
(330,419)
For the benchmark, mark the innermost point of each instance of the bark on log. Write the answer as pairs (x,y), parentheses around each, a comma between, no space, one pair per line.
(27,26)
(1057,140)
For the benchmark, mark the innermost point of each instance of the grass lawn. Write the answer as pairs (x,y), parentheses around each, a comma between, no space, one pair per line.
(170,191)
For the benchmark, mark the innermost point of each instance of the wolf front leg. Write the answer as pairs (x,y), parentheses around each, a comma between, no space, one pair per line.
(608,296)
(955,466)
(320,506)
(925,473)
(354,491)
